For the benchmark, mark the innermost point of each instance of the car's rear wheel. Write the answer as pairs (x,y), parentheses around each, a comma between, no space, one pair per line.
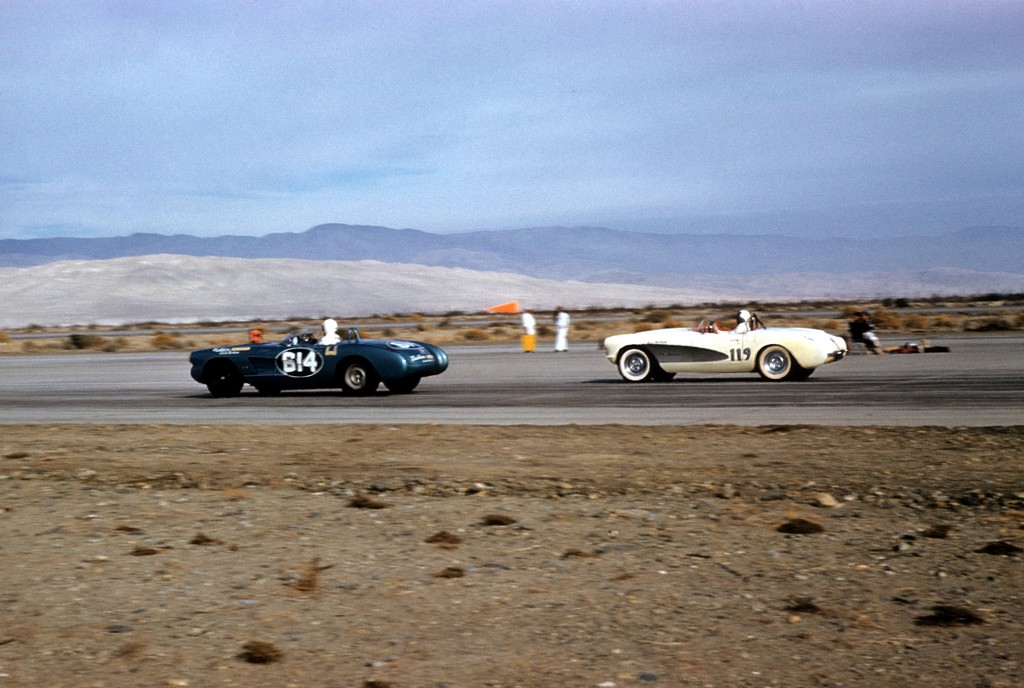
(359,378)
(775,363)
(637,365)
(404,386)
(224,380)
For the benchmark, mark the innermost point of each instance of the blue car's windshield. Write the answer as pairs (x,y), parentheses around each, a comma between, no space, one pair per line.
(298,339)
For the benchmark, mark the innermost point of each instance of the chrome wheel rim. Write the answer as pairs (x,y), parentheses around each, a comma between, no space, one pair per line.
(776,363)
(355,377)
(635,365)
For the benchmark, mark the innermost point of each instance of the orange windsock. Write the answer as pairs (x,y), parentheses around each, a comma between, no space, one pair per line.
(507,307)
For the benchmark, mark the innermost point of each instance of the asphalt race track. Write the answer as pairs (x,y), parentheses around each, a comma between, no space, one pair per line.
(979,383)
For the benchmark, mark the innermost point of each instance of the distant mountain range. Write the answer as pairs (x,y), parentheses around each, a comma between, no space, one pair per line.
(591,254)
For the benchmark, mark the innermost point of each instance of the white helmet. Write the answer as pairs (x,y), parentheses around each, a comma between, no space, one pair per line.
(330,326)
(743,316)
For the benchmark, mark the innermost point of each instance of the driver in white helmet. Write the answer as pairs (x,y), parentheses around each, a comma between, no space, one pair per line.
(742,322)
(330,333)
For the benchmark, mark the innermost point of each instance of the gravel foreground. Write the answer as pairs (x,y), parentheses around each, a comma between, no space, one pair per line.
(440,556)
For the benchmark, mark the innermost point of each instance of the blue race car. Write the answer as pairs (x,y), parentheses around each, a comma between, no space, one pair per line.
(356,365)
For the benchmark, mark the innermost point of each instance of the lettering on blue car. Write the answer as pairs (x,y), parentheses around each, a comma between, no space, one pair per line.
(299,362)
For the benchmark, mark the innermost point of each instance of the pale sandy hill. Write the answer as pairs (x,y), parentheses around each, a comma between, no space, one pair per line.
(175,288)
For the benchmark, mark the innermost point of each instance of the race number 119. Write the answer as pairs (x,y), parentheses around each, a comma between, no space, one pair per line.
(739,354)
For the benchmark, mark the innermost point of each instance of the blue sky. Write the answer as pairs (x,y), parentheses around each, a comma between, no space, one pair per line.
(248,117)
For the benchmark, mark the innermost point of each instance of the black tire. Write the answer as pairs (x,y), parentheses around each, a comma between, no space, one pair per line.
(799,373)
(638,365)
(224,380)
(359,378)
(403,386)
(775,363)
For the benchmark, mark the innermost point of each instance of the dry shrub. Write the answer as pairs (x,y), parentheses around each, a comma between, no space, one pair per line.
(5,338)
(938,531)
(165,340)
(451,572)
(444,539)
(309,577)
(945,322)
(656,317)
(497,520)
(916,322)
(475,334)
(361,501)
(1000,548)
(145,551)
(949,615)
(1002,324)
(800,526)
(130,650)
(887,320)
(85,341)
(259,652)
(116,344)
(849,311)
(499,332)
(803,605)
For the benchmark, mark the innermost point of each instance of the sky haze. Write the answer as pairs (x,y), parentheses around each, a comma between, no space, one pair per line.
(796,117)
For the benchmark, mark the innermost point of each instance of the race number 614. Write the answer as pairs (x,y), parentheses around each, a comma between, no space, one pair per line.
(299,362)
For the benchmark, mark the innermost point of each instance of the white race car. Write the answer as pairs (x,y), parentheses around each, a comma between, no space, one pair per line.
(776,353)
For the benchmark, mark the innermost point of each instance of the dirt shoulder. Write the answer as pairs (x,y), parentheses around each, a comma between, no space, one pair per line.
(511,556)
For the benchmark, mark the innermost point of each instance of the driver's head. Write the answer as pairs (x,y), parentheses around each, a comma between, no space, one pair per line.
(742,316)
(330,326)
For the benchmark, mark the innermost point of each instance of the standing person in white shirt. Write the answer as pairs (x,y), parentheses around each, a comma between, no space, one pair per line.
(529,332)
(562,321)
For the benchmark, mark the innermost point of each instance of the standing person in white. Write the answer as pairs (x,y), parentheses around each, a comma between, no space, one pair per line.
(529,332)
(561,330)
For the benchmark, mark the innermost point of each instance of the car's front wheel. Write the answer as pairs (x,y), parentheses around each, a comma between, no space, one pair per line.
(359,378)
(637,365)
(775,363)
(224,380)
(800,373)
(403,386)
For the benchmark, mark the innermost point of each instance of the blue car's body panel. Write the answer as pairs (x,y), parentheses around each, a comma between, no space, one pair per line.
(355,365)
